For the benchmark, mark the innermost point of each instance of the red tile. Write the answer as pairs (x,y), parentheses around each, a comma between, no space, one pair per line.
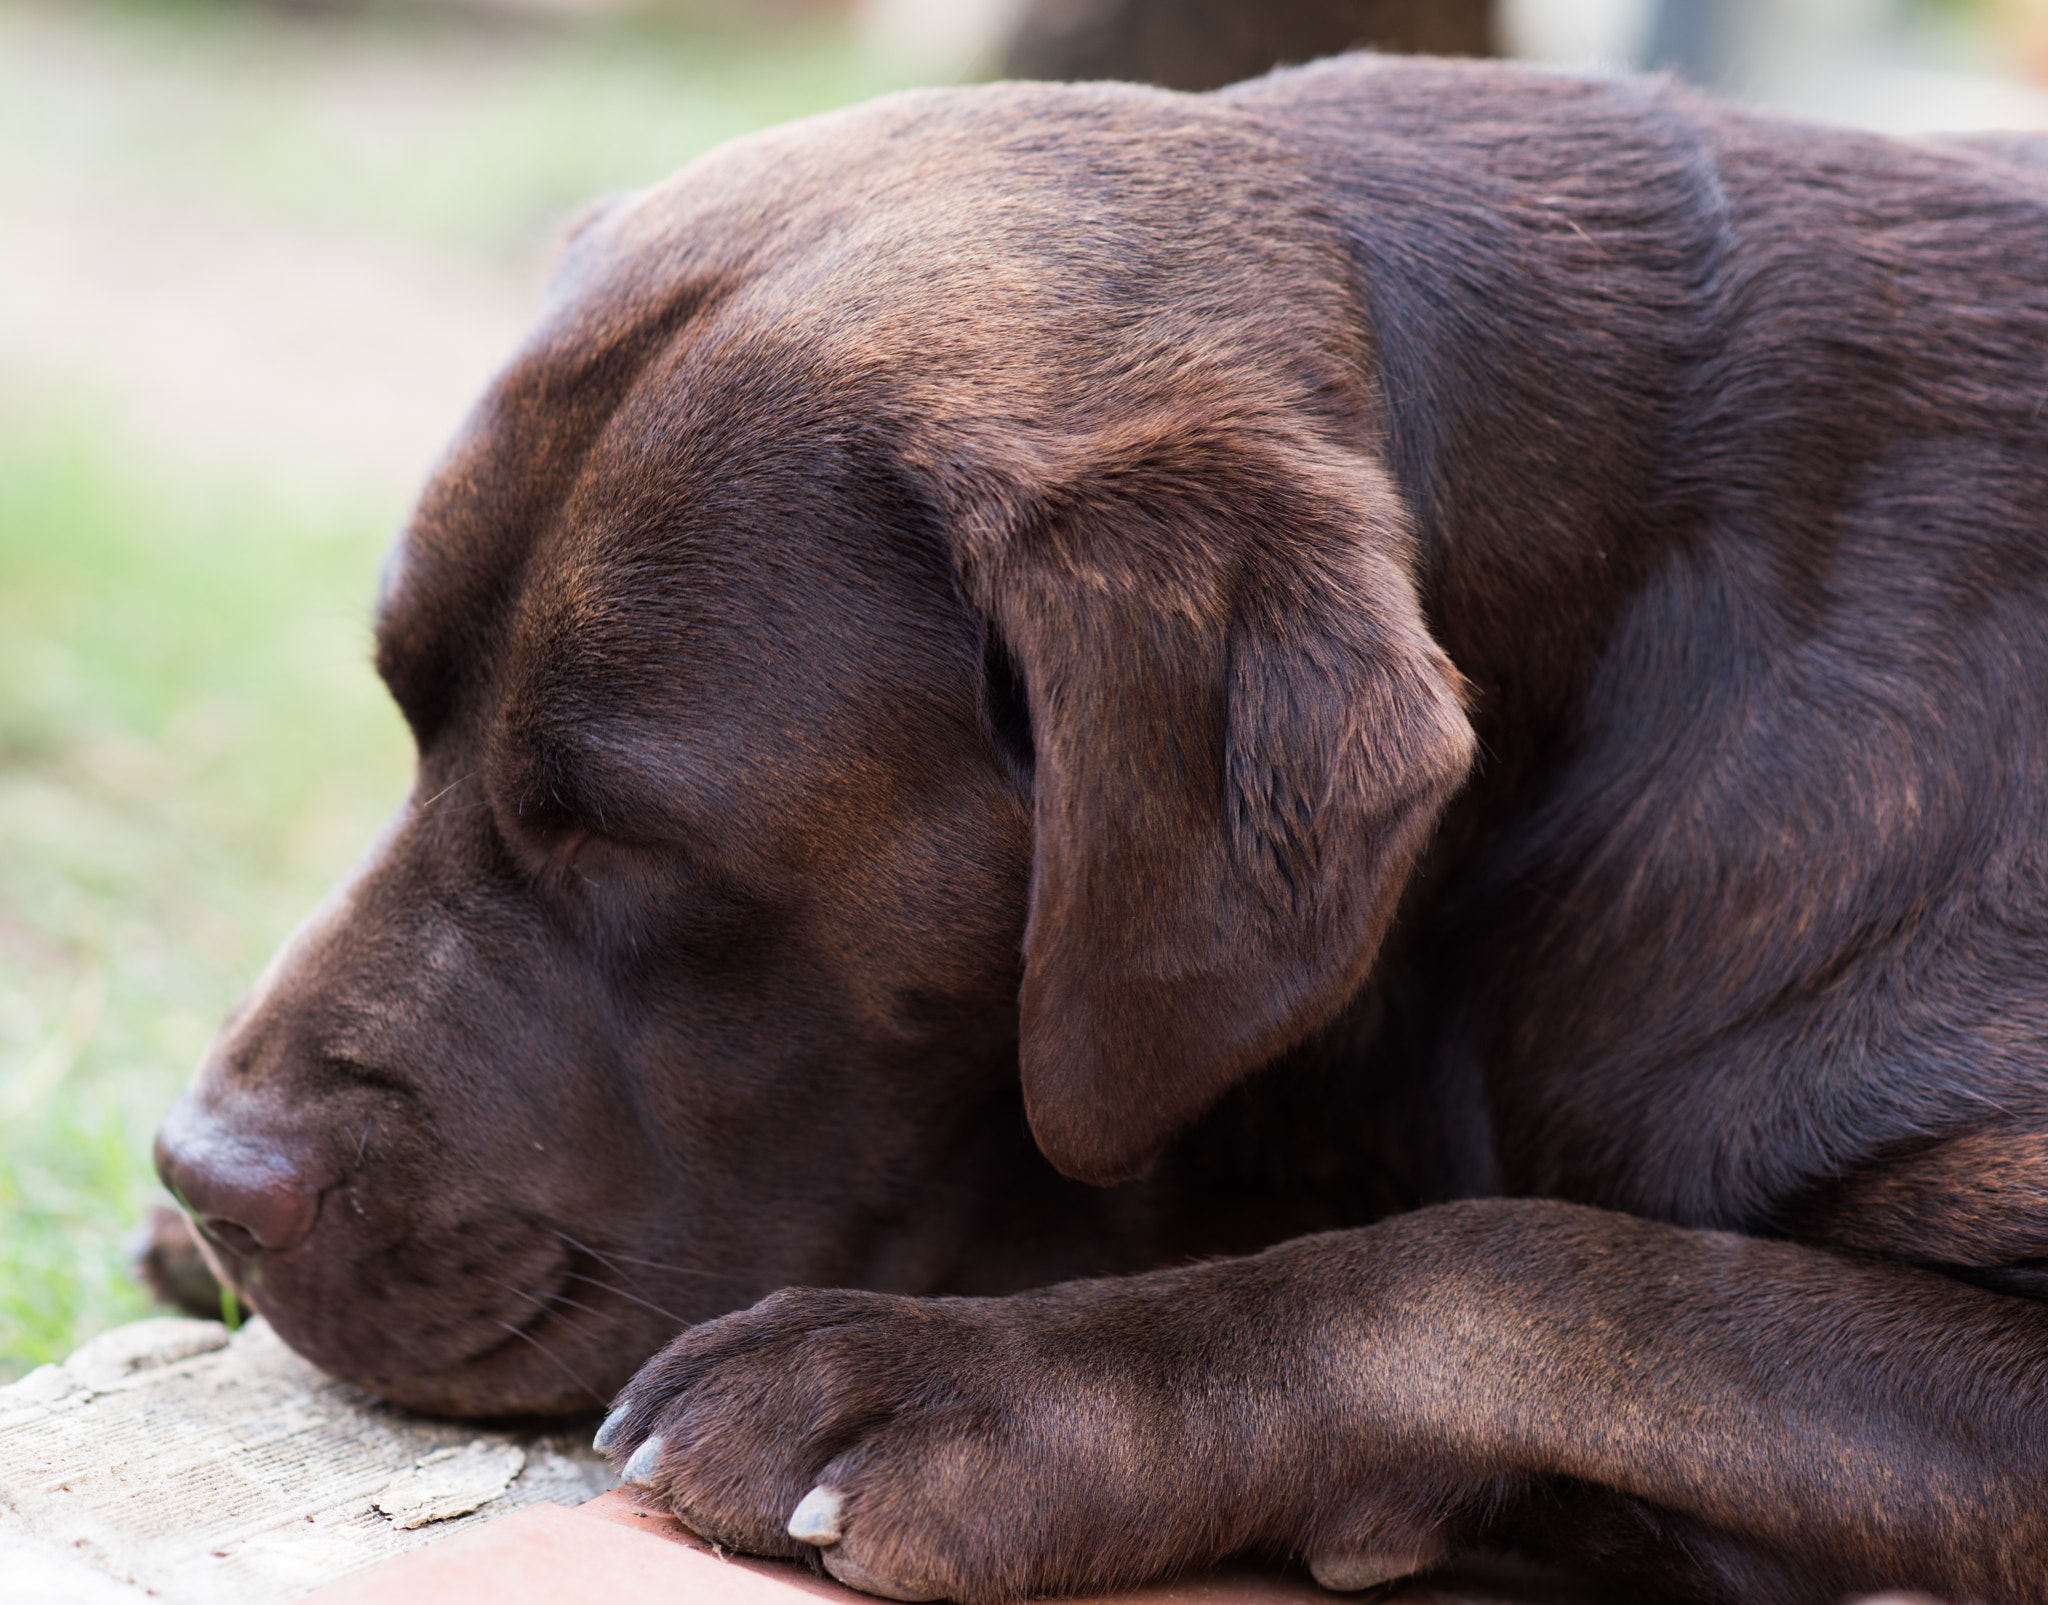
(549,1555)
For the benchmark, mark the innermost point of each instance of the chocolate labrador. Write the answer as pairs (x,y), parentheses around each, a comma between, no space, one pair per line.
(1323,810)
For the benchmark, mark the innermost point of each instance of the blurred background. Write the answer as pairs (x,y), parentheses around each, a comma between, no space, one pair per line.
(254,258)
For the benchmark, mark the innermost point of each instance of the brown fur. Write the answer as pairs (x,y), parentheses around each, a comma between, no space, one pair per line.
(1443,665)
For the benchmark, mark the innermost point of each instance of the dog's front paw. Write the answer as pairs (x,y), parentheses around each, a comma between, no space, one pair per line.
(974,1450)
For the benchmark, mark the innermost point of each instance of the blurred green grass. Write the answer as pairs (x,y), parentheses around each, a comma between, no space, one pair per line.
(409,119)
(192,744)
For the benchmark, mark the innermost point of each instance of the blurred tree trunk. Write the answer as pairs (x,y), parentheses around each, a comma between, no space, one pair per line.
(1199,44)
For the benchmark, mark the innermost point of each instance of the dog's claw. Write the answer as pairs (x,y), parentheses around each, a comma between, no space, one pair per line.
(816,1519)
(855,1575)
(608,1430)
(639,1470)
(1348,1574)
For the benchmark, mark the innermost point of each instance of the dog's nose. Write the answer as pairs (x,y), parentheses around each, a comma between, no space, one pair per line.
(246,1195)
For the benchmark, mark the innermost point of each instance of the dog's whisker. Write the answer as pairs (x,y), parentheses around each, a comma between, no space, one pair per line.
(631,1298)
(560,1300)
(547,1301)
(615,1261)
(591,1253)
(559,1363)
(597,1254)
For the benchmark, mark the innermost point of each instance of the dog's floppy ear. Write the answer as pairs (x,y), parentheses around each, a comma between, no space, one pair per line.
(1243,737)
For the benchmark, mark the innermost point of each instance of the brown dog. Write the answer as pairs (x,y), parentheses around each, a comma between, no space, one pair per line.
(1398,634)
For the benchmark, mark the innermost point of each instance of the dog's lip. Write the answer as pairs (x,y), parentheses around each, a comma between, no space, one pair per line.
(225,1264)
(254,1272)
(504,1354)
(499,1359)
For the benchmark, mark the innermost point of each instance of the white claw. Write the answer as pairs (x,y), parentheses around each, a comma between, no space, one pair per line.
(816,1519)
(640,1469)
(609,1430)
(1347,1574)
(854,1575)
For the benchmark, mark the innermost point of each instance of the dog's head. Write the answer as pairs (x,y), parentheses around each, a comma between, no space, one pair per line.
(924,606)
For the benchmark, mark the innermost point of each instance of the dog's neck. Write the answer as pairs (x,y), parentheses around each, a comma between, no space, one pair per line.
(1525,423)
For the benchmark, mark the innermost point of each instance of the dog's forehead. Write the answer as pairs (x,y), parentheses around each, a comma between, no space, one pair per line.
(1017,234)
(739,363)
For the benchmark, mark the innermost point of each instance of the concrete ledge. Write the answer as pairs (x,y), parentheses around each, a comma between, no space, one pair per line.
(208,1469)
(172,1461)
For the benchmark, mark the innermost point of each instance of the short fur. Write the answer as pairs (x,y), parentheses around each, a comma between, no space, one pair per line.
(1445,658)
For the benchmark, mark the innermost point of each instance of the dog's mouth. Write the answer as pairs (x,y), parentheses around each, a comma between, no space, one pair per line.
(512,1341)
(505,1316)
(227,1264)
(441,1291)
